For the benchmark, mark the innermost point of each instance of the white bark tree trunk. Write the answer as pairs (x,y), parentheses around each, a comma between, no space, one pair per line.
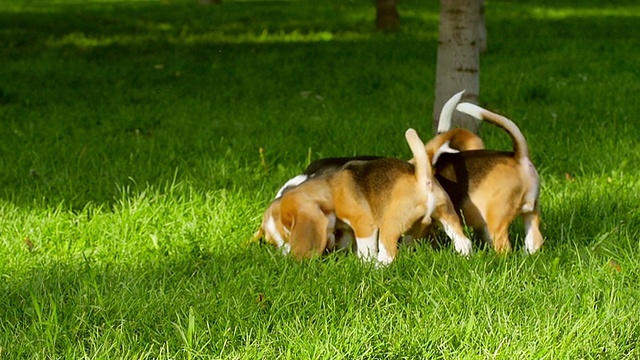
(482,30)
(458,63)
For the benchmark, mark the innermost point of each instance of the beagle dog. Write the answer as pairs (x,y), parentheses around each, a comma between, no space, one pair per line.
(491,188)
(339,234)
(379,199)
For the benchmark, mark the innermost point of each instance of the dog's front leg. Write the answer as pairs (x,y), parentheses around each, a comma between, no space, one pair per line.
(388,245)
(364,230)
(367,246)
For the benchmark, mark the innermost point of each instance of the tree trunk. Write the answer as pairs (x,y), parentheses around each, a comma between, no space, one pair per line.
(387,17)
(209,2)
(458,63)
(482,30)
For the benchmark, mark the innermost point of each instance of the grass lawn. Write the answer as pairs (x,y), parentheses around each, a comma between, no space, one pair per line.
(131,181)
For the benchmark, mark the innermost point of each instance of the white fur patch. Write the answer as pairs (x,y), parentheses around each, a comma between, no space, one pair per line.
(272,230)
(532,193)
(444,122)
(331,225)
(368,246)
(383,255)
(471,109)
(293,182)
(460,242)
(529,240)
(286,249)
(431,205)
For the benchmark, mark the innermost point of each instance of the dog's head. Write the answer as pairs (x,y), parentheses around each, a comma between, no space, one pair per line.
(271,230)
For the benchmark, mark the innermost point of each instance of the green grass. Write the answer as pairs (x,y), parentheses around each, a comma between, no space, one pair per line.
(131,181)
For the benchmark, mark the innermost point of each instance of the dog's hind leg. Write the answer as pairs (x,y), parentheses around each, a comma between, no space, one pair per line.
(533,239)
(446,215)
(498,220)
(498,230)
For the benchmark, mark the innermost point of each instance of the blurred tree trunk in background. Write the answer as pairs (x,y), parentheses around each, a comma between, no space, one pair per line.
(209,2)
(458,64)
(482,29)
(387,17)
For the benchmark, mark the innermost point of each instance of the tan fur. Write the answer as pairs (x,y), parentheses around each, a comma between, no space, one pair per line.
(458,140)
(392,213)
(396,205)
(303,214)
(463,140)
(379,199)
(338,234)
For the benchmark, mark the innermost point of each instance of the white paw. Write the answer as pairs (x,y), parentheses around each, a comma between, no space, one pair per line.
(383,256)
(530,246)
(368,247)
(286,249)
(463,246)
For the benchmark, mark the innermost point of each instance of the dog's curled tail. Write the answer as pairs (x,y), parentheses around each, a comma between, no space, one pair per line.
(421,160)
(444,122)
(520,148)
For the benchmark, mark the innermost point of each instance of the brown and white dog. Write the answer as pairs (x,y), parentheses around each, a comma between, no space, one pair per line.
(339,234)
(491,188)
(379,199)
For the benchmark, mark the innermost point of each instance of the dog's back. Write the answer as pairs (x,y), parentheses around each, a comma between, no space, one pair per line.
(376,180)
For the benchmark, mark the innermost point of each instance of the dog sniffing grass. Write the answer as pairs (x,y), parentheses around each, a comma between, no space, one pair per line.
(131,180)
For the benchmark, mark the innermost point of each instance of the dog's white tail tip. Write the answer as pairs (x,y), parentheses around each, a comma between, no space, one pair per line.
(410,134)
(471,109)
(444,122)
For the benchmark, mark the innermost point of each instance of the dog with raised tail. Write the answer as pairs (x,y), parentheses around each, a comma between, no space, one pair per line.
(339,234)
(491,188)
(379,199)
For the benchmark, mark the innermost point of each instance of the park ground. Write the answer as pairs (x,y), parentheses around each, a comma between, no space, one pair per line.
(132,179)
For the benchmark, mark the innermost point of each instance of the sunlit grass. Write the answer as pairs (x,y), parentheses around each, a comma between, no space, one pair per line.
(131,181)
(83,41)
(606,10)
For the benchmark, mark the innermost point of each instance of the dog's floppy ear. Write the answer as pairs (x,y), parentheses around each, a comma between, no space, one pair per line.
(308,235)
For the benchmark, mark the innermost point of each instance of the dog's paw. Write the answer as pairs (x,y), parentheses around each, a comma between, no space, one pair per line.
(463,246)
(384,258)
